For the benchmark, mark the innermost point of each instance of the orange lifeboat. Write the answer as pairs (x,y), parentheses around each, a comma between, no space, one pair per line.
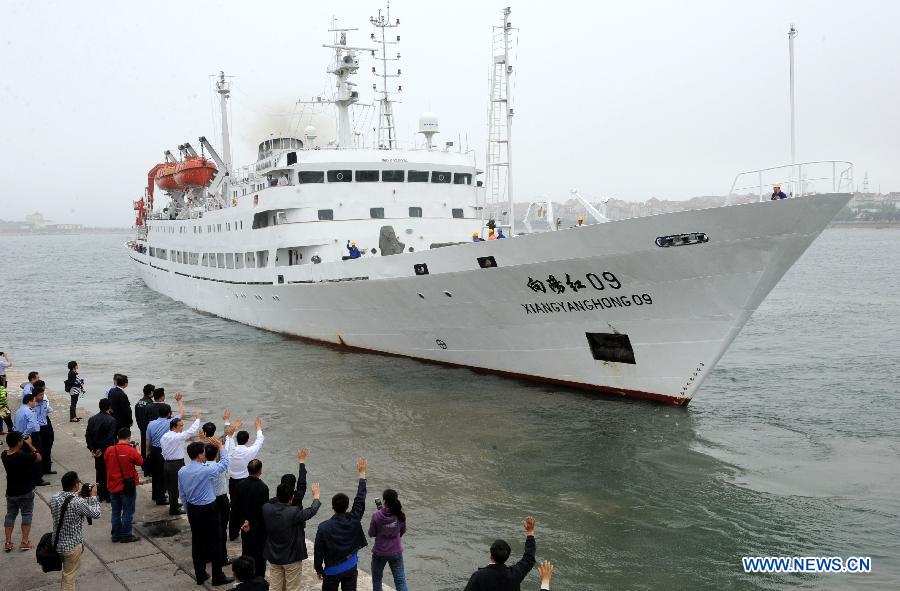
(195,171)
(165,176)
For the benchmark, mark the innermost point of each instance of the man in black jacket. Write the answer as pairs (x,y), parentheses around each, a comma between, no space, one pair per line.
(340,538)
(285,538)
(499,577)
(100,434)
(142,417)
(250,495)
(121,407)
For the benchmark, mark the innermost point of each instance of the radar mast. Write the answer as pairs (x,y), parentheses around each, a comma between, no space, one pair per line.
(387,134)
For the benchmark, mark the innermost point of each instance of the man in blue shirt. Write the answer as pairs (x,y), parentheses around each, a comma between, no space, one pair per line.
(25,419)
(155,430)
(33,376)
(354,252)
(25,422)
(197,489)
(777,193)
(42,410)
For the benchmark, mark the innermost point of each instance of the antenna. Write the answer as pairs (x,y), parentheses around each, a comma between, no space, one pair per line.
(792,33)
(387,133)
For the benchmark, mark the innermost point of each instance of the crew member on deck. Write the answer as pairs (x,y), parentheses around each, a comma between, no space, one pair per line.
(491,234)
(580,220)
(777,193)
(500,233)
(283,181)
(476,238)
(354,252)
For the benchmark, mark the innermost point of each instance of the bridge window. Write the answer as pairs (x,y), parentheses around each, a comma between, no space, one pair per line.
(262,258)
(438,176)
(340,176)
(204,260)
(366,176)
(392,176)
(418,176)
(212,260)
(311,176)
(220,257)
(376,213)
(250,259)
(457,212)
(462,178)
(415,212)
(326,214)
(238,260)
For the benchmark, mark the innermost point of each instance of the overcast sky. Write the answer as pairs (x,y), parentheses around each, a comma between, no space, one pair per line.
(625,99)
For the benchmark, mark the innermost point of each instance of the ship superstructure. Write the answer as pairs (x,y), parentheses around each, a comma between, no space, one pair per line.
(384,248)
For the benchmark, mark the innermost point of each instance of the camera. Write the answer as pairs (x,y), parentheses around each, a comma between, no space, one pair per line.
(85,490)
(377,503)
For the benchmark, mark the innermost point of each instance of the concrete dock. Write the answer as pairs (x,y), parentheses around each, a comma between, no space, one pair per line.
(160,560)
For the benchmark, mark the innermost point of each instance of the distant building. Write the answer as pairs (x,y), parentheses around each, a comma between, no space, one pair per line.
(36,221)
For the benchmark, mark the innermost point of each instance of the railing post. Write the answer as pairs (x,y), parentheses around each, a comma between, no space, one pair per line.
(760,186)
(833,174)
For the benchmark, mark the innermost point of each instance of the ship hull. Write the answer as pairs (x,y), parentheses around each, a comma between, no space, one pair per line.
(537,314)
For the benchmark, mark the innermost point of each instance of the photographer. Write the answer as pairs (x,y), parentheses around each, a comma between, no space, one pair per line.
(83,503)
(121,481)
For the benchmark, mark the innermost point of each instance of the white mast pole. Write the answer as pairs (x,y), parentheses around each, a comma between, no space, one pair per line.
(222,87)
(792,33)
(509,115)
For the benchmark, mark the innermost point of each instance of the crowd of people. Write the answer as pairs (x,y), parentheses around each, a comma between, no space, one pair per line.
(220,489)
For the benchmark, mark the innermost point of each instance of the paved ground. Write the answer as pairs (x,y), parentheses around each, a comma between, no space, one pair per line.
(161,560)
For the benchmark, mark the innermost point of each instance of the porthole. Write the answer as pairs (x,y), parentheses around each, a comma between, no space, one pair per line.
(421,296)
(448,294)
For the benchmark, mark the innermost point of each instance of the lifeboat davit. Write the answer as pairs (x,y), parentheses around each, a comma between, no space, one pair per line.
(165,176)
(195,171)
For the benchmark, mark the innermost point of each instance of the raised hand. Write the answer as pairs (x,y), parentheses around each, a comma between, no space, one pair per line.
(178,396)
(197,414)
(301,455)
(226,415)
(361,466)
(529,525)
(237,424)
(545,571)
(258,423)
(230,429)
(315,490)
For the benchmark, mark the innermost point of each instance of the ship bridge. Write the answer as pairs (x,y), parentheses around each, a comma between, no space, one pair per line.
(273,145)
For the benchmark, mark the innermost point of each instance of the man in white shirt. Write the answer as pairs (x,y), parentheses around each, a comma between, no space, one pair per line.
(241,454)
(172,445)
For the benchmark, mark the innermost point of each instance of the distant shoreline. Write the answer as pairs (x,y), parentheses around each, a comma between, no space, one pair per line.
(66,232)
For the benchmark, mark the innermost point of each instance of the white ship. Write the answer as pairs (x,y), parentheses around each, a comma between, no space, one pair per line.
(641,307)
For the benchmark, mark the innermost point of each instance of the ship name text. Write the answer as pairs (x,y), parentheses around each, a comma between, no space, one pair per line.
(586,305)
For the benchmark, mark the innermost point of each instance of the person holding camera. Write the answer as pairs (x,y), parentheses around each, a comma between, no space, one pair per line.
(499,577)
(121,481)
(387,527)
(80,502)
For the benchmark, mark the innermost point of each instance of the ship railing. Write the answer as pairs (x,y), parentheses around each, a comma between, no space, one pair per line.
(797,180)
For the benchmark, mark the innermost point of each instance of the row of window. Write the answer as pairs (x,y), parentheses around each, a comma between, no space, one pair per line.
(385,176)
(222,260)
(237,225)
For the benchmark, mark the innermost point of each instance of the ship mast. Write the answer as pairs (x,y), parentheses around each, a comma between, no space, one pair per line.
(345,65)
(387,134)
(223,87)
(500,114)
